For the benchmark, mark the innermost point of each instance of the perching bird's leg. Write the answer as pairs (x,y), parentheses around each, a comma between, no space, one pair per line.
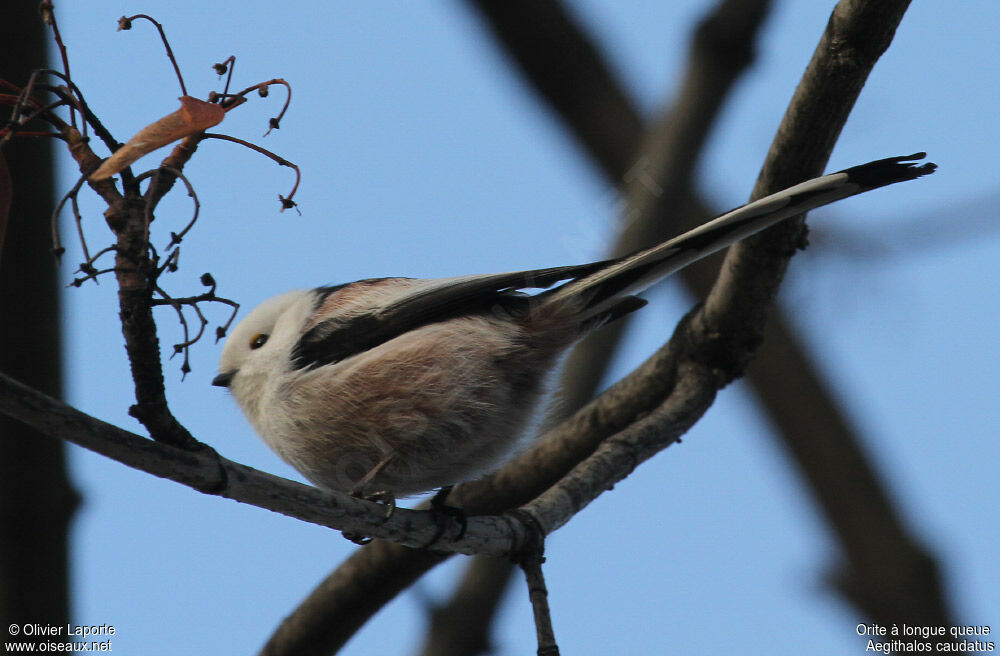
(379,496)
(442,512)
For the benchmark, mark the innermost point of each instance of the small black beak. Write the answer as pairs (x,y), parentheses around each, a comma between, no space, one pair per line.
(223,380)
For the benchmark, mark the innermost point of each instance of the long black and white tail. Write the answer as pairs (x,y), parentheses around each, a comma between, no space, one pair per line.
(633,273)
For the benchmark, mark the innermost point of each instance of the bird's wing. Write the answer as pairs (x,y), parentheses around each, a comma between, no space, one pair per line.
(438,300)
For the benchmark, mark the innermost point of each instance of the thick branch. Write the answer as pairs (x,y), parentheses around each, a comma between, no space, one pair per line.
(657,187)
(657,176)
(461,627)
(566,69)
(206,471)
(341,604)
(372,576)
(731,350)
(133,269)
(891,577)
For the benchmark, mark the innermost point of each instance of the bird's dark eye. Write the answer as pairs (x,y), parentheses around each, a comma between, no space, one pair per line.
(258,340)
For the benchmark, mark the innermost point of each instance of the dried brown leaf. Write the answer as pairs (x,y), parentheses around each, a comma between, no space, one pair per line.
(193,116)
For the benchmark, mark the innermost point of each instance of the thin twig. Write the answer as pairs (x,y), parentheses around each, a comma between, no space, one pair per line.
(49,17)
(226,67)
(194,301)
(183,347)
(539,596)
(57,247)
(78,219)
(87,267)
(530,559)
(286,202)
(91,275)
(177,237)
(262,89)
(17,120)
(170,264)
(31,133)
(70,93)
(77,99)
(42,111)
(152,192)
(125,23)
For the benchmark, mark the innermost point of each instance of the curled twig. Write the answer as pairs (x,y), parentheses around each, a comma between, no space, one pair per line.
(194,302)
(170,264)
(87,267)
(182,347)
(286,202)
(225,67)
(177,237)
(78,219)
(125,23)
(154,176)
(57,247)
(91,275)
(236,99)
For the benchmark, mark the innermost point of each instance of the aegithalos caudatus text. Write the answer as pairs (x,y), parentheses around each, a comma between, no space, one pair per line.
(398,386)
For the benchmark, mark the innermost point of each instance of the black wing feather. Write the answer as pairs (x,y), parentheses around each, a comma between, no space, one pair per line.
(334,340)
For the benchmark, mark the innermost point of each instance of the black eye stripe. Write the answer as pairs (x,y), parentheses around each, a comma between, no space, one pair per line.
(258,341)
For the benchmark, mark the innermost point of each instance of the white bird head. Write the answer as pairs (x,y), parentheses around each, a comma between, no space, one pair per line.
(258,347)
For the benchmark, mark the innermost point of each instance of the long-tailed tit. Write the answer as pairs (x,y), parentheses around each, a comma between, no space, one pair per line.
(399,385)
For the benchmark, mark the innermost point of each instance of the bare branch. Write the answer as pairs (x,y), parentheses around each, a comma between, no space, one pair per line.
(819,435)
(49,18)
(539,596)
(206,471)
(565,68)
(394,569)
(57,247)
(461,627)
(657,188)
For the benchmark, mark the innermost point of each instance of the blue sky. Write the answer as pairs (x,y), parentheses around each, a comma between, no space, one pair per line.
(423,155)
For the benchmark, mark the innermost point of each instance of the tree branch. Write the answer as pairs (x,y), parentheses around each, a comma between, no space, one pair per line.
(209,473)
(657,187)
(890,576)
(400,566)
(654,178)
(812,426)
(567,70)
(461,627)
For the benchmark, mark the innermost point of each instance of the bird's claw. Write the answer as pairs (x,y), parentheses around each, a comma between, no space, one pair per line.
(383,497)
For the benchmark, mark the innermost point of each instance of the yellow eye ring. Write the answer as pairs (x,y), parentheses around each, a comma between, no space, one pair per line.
(258,340)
